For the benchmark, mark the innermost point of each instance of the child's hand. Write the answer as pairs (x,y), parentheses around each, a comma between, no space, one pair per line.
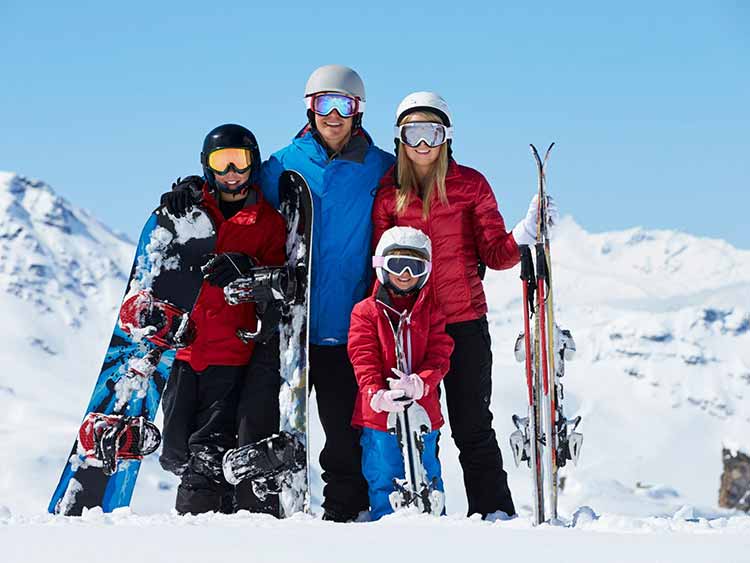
(412,385)
(388,401)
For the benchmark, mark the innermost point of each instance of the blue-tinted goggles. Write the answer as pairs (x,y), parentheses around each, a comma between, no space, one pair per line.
(323,104)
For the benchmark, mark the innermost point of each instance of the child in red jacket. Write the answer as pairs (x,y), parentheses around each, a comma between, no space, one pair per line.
(222,389)
(400,313)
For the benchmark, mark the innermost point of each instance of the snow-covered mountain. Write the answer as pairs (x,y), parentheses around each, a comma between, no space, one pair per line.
(62,275)
(661,378)
(662,373)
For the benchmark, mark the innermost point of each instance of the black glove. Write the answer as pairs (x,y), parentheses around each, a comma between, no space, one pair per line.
(185,193)
(224,268)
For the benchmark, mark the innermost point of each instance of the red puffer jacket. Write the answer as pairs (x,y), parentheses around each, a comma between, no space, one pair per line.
(372,350)
(468,230)
(257,230)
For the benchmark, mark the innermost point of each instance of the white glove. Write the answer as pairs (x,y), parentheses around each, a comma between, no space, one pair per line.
(525,231)
(386,401)
(412,385)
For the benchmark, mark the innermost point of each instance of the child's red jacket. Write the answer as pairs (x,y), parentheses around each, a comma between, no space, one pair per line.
(257,230)
(372,350)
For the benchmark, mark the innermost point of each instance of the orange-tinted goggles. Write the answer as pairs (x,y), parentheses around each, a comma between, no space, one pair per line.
(221,160)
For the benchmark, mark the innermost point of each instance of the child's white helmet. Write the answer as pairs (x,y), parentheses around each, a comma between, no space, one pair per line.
(403,238)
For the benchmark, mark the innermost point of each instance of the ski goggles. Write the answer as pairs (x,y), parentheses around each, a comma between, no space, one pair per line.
(221,160)
(324,104)
(397,265)
(412,134)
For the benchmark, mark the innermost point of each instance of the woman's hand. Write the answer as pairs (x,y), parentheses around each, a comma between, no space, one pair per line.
(525,231)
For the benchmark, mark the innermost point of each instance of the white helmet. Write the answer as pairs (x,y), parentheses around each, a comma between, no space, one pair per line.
(429,101)
(336,78)
(403,238)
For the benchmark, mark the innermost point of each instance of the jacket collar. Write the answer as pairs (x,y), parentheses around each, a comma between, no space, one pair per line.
(355,150)
(381,295)
(254,194)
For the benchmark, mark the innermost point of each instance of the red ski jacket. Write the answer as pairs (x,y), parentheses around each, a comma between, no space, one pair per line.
(372,350)
(257,230)
(468,230)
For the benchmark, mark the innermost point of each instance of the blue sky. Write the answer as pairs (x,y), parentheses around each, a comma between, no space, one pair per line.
(648,101)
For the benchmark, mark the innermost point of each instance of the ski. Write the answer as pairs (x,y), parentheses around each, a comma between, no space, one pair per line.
(410,427)
(546,439)
(526,442)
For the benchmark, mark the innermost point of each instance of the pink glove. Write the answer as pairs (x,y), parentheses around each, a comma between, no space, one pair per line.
(412,385)
(386,401)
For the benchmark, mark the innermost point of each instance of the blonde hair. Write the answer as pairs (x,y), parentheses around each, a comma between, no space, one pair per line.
(406,177)
(413,252)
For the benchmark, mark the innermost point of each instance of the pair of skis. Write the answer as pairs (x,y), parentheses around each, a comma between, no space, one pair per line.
(410,427)
(545,438)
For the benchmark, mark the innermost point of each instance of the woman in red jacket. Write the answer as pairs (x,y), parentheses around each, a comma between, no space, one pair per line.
(401,315)
(454,205)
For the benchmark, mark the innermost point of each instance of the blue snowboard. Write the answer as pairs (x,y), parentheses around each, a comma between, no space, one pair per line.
(166,270)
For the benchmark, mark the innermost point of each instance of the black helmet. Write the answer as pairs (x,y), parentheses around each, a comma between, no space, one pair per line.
(227,136)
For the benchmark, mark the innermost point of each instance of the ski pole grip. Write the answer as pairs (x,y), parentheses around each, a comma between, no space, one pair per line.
(527,265)
(541,262)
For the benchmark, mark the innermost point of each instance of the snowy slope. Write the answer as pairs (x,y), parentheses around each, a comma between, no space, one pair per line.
(661,379)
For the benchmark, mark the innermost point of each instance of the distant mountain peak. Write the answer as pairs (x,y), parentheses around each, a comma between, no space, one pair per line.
(53,254)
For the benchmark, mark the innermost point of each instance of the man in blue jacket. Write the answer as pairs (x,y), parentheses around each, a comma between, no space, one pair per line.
(342,167)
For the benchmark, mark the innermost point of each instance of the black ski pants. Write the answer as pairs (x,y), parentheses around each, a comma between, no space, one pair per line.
(258,417)
(468,389)
(199,426)
(332,377)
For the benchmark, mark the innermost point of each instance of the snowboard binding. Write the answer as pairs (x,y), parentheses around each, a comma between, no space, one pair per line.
(274,290)
(104,440)
(266,459)
(264,285)
(144,316)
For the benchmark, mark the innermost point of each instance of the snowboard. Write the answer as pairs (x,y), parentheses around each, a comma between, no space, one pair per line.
(279,464)
(153,321)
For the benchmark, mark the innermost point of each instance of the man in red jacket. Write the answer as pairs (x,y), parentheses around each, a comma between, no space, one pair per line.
(209,377)
(399,310)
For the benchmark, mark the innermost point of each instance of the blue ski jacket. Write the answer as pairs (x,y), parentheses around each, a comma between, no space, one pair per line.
(343,189)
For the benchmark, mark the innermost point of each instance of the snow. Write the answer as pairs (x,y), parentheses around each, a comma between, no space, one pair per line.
(661,378)
(410,537)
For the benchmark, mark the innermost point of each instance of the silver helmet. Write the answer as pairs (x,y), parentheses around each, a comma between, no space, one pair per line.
(336,78)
